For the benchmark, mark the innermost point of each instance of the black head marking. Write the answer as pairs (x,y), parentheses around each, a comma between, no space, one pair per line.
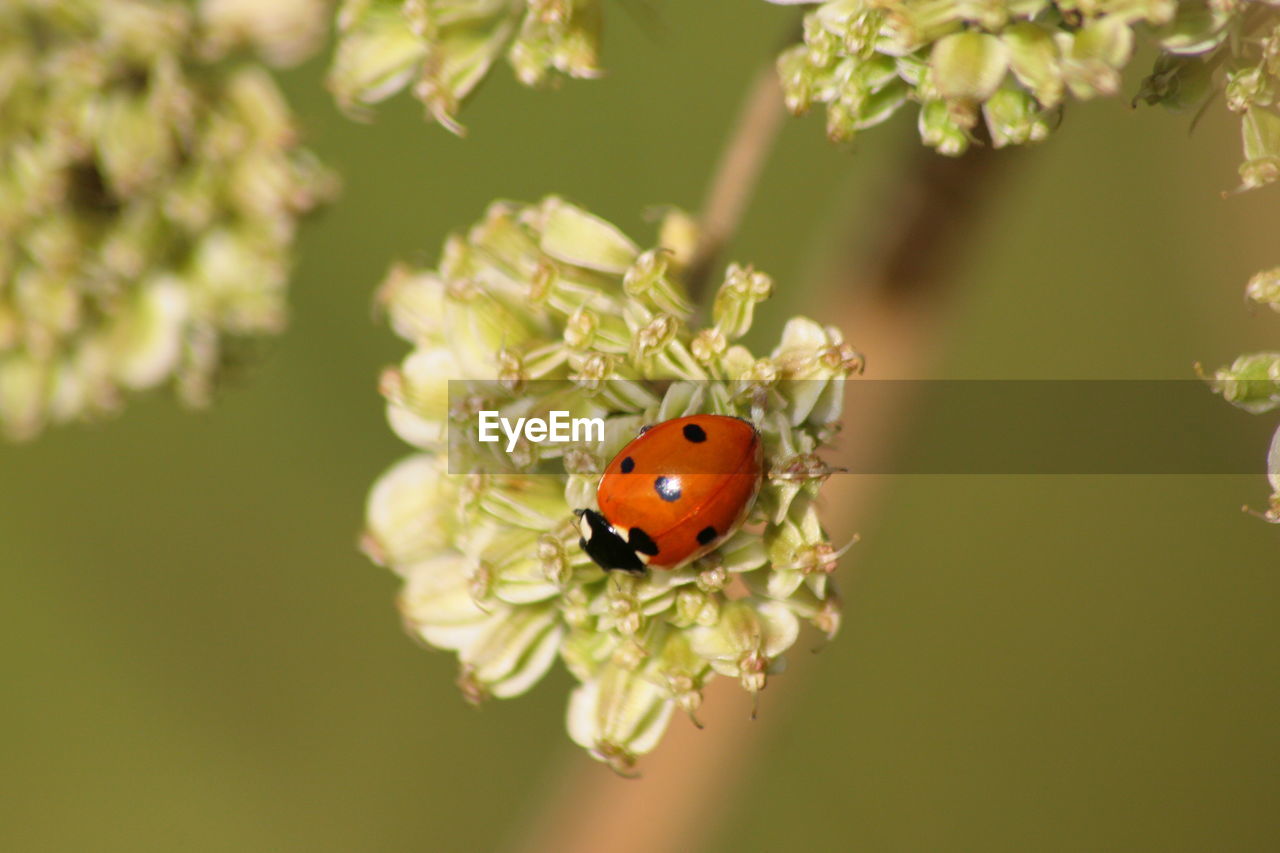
(642,542)
(707,534)
(628,465)
(694,433)
(668,488)
(606,547)
(603,544)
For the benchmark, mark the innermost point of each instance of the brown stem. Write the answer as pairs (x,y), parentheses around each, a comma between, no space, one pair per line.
(689,780)
(737,173)
(934,212)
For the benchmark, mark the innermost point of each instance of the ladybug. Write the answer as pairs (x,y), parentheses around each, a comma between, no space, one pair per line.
(674,493)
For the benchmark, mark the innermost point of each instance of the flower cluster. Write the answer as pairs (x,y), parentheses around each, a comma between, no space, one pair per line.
(445,48)
(283,32)
(558,310)
(1230,46)
(1012,63)
(1252,382)
(149,194)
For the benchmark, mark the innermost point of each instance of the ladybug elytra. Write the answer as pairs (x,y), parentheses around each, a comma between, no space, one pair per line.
(674,493)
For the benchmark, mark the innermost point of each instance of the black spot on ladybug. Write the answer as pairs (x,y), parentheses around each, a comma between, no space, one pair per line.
(628,465)
(694,433)
(642,542)
(668,488)
(706,534)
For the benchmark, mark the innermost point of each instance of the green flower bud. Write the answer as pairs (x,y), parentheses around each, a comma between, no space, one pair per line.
(736,300)
(377,52)
(682,670)
(559,35)
(1014,118)
(1264,288)
(1196,28)
(412,512)
(813,361)
(574,236)
(618,715)
(1035,62)
(695,607)
(510,653)
(747,641)
(1249,87)
(1177,83)
(1261,131)
(1093,56)
(678,237)
(944,128)
(456,62)
(1273,476)
(1252,382)
(446,48)
(436,603)
(146,342)
(412,301)
(647,278)
(517,563)
(968,65)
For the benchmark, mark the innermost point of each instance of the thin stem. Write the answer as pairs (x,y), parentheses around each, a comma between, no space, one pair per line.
(935,210)
(737,173)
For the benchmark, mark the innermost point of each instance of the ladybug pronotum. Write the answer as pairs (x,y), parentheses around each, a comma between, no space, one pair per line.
(674,493)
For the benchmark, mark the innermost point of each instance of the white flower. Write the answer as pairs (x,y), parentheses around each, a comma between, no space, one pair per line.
(547,307)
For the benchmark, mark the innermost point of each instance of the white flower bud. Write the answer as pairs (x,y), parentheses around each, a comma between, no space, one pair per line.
(618,716)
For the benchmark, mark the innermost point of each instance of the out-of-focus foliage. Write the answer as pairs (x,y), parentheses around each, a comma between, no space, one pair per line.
(1252,382)
(444,49)
(150,187)
(1013,63)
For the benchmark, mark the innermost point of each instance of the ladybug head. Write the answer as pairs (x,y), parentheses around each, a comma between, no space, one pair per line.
(603,544)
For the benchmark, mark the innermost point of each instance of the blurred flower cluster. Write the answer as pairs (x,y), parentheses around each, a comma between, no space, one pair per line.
(1012,63)
(282,32)
(1252,382)
(443,49)
(558,310)
(1230,47)
(149,193)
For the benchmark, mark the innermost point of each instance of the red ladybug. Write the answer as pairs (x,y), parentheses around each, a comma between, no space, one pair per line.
(674,493)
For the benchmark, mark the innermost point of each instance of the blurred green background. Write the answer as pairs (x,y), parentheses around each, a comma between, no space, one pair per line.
(196,657)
